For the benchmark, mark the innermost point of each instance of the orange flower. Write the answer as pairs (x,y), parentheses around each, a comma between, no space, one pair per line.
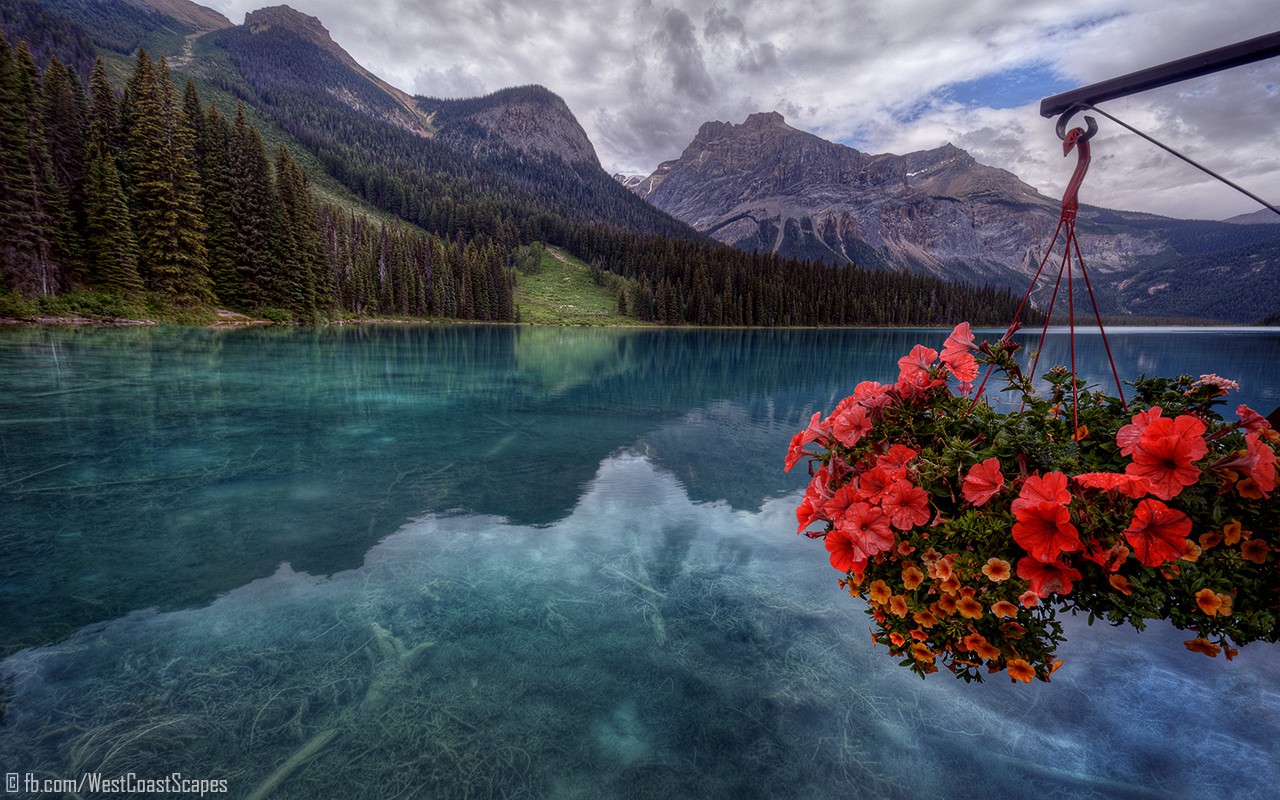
(919,634)
(1255,550)
(1208,540)
(1209,602)
(897,639)
(1249,489)
(1020,670)
(997,570)
(1203,645)
(987,651)
(1120,583)
(982,482)
(911,577)
(921,652)
(969,608)
(945,605)
(1192,552)
(1004,609)
(879,592)
(898,605)
(971,641)
(1233,532)
(1029,599)
(925,619)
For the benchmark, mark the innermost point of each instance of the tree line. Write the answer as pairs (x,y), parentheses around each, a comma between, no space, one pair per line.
(148,192)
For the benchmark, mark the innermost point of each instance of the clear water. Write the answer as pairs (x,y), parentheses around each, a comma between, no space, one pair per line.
(497,562)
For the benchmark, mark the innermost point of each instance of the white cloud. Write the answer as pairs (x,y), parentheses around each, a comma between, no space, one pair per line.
(643,75)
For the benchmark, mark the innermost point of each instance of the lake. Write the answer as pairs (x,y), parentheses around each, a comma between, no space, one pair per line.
(472,561)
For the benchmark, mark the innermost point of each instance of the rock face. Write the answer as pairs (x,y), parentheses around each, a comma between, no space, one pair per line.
(530,119)
(763,185)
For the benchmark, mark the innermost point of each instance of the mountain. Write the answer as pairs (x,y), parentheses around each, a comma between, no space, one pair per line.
(489,176)
(766,186)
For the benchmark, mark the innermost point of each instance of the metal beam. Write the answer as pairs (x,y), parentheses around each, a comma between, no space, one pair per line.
(1233,55)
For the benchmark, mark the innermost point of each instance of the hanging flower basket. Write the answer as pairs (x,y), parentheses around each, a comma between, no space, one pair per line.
(967,529)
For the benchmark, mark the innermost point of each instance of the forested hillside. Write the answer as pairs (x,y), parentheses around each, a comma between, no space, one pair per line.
(145,191)
(150,193)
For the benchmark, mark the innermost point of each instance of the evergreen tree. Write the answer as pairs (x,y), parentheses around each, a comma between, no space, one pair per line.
(27,259)
(64,130)
(301,238)
(255,215)
(166,190)
(213,157)
(111,252)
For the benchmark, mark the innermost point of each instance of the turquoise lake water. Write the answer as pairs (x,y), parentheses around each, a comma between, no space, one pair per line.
(476,561)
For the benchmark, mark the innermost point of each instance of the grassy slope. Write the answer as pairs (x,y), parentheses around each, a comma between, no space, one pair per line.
(562,293)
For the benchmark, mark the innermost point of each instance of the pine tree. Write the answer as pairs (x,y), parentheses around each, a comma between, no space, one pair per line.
(166,188)
(301,238)
(111,252)
(255,214)
(64,131)
(213,156)
(27,259)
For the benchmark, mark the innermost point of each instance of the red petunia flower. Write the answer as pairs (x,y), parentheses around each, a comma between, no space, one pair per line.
(1045,531)
(874,484)
(1129,435)
(810,511)
(1262,463)
(906,504)
(868,527)
(1252,421)
(851,425)
(1048,488)
(813,433)
(1127,485)
(917,363)
(844,555)
(982,482)
(1158,533)
(1165,452)
(895,461)
(839,503)
(957,354)
(1046,577)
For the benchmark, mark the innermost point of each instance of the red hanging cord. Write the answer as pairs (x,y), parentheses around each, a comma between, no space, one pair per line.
(1077,139)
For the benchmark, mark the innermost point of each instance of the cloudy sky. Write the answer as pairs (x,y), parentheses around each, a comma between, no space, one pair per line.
(884,76)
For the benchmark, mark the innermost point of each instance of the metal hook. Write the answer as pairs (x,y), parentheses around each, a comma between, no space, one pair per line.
(1066,116)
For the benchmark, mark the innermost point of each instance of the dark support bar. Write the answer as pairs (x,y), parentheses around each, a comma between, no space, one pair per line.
(1233,55)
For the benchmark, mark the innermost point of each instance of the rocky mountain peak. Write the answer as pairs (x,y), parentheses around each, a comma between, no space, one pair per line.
(308,27)
(529,118)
